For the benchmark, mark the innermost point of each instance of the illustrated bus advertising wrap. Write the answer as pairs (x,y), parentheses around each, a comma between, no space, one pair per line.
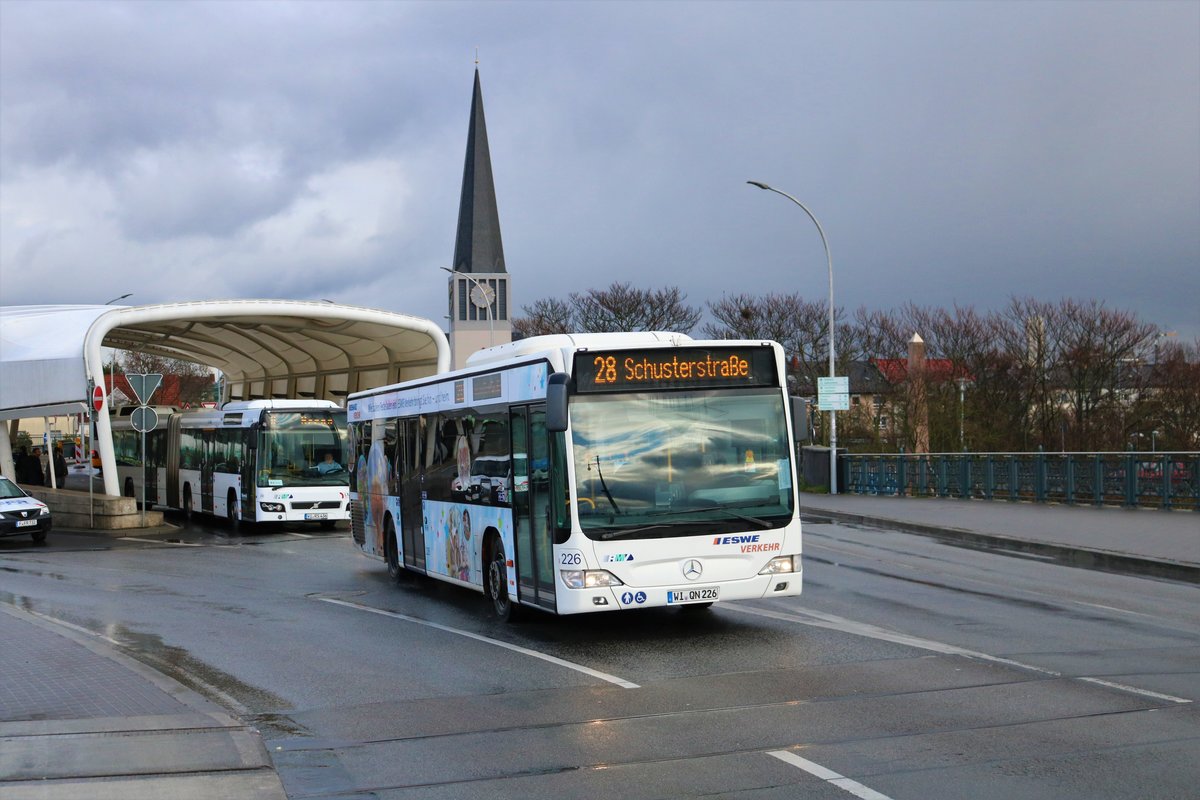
(586,473)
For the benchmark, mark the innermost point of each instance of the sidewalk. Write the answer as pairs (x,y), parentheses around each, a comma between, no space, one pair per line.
(1157,543)
(79,719)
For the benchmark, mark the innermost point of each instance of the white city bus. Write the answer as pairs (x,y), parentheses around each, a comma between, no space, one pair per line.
(256,460)
(586,473)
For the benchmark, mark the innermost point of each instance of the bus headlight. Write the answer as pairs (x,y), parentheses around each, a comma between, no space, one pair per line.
(589,578)
(275,507)
(781,564)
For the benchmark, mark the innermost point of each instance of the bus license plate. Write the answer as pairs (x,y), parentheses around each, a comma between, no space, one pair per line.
(316,516)
(26,523)
(697,595)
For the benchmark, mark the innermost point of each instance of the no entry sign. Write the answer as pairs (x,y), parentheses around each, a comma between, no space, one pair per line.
(98,398)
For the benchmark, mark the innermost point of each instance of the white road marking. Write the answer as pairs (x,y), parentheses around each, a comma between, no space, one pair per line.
(159,541)
(604,676)
(1127,688)
(829,776)
(834,623)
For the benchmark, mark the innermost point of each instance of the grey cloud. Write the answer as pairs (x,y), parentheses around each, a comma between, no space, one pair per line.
(952,151)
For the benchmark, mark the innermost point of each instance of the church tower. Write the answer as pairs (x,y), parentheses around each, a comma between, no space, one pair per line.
(479,285)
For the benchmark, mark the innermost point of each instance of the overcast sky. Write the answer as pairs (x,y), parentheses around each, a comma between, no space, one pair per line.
(953,152)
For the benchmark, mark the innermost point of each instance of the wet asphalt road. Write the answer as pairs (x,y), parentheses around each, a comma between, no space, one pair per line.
(909,669)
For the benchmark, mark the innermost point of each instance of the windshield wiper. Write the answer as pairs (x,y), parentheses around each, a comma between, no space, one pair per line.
(621,534)
(603,485)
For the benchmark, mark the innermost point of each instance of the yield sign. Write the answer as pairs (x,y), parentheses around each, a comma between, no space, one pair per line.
(144,385)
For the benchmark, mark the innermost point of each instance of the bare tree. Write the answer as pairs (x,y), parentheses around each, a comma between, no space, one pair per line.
(620,307)
(1067,374)
(194,379)
(801,326)
(876,334)
(545,316)
(1099,370)
(1027,331)
(1174,397)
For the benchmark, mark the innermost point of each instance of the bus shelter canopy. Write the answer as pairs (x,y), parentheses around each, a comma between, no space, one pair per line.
(263,348)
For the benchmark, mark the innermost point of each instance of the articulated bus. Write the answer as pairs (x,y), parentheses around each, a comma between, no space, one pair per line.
(581,473)
(256,460)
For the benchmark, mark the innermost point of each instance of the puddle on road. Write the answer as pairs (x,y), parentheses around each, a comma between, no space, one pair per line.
(182,666)
(35,573)
(278,726)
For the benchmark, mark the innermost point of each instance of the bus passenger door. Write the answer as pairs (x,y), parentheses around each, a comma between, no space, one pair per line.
(531,499)
(412,514)
(172,447)
(155,441)
(249,473)
(206,471)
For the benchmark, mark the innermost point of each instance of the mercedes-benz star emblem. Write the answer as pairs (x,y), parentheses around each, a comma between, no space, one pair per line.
(692,569)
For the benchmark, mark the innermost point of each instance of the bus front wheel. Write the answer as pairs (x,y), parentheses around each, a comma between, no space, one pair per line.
(187,503)
(497,583)
(233,511)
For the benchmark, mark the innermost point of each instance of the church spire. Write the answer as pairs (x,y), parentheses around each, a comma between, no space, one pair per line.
(479,283)
(477,246)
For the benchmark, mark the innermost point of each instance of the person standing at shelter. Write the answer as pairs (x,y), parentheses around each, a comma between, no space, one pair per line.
(60,467)
(22,463)
(36,476)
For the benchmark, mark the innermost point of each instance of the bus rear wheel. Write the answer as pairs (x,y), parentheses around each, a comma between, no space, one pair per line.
(497,583)
(389,551)
(187,503)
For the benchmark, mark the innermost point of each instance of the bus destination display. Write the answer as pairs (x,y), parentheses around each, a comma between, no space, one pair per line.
(674,368)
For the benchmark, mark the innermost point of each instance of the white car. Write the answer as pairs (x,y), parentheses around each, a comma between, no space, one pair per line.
(22,513)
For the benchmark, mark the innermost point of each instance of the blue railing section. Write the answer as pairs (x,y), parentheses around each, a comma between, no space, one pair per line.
(1131,479)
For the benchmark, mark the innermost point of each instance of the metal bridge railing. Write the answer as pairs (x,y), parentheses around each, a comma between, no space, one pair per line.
(1155,480)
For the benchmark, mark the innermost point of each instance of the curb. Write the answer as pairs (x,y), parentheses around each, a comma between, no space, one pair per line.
(1103,560)
(119,533)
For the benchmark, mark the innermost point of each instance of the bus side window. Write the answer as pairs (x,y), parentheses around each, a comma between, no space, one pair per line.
(431,431)
(559,488)
(390,449)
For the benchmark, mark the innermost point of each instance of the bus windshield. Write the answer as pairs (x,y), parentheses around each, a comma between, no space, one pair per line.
(681,463)
(303,448)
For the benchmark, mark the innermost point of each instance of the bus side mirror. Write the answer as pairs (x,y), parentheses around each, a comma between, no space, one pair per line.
(556,402)
(252,439)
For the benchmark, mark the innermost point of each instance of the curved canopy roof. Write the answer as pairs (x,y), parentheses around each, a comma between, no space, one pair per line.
(264,348)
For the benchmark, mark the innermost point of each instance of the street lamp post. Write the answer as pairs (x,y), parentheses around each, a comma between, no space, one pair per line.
(832,371)
(485,295)
(963,383)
